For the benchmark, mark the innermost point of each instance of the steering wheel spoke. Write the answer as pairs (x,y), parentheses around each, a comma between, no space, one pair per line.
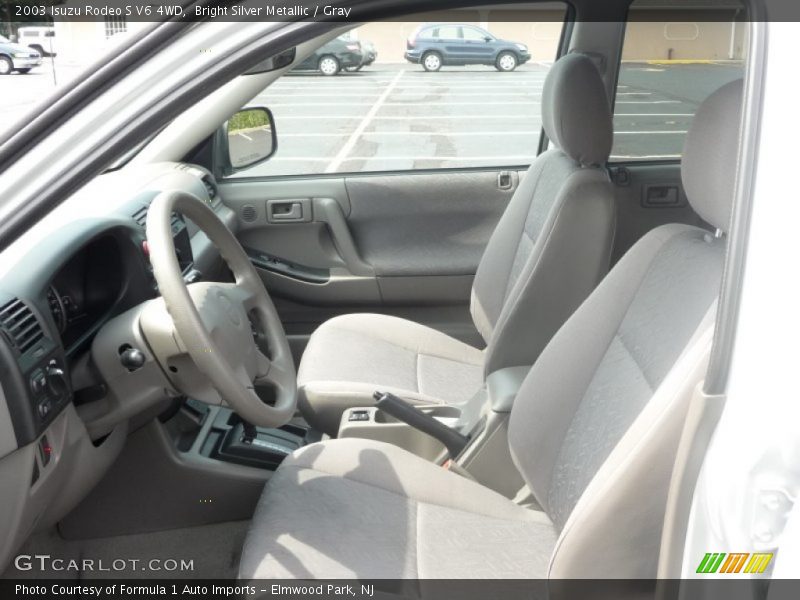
(215,321)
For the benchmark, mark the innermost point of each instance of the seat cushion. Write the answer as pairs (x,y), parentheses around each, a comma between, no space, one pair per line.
(354,508)
(349,357)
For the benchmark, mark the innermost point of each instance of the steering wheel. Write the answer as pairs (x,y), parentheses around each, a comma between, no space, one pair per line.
(216,322)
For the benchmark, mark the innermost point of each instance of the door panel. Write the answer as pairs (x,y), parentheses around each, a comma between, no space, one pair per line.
(404,244)
(648,195)
(425,224)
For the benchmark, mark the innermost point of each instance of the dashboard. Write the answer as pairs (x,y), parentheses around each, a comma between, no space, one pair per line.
(63,291)
(85,289)
(65,287)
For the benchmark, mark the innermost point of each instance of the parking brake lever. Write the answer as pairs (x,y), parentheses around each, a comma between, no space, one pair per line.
(454,441)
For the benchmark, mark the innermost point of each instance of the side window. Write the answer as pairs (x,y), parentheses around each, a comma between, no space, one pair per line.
(448,32)
(668,68)
(473,35)
(387,114)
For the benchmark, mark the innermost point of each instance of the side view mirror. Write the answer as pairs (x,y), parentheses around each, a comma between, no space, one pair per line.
(488,39)
(250,138)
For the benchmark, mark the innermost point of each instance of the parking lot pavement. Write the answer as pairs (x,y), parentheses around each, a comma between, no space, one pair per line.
(22,94)
(389,117)
(395,117)
(656,102)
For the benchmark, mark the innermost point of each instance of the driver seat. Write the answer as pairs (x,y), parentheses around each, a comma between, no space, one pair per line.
(593,431)
(550,249)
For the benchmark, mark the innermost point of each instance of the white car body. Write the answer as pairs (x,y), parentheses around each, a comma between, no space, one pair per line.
(42,39)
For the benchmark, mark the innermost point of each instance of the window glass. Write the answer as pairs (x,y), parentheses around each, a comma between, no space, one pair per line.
(668,68)
(392,115)
(475,35)
(447,32)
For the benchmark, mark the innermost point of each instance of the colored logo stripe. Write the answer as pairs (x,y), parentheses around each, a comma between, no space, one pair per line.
(758,563)
(710,562)
(734,563)
(713,562)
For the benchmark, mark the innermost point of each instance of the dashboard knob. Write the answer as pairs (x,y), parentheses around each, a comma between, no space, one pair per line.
(56,380)
(132,359)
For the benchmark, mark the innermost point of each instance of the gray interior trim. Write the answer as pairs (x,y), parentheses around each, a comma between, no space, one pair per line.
(708,407)
(8,439)
(503,385)
(719,366)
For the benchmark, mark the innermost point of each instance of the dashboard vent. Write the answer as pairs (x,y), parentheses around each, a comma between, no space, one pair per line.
(20,325)
(140,216)
(210,188)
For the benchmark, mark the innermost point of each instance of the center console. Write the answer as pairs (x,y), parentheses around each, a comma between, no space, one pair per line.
(218,433)
(470,438)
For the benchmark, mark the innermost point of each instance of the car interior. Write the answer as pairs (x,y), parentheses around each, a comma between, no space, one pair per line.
(455,373)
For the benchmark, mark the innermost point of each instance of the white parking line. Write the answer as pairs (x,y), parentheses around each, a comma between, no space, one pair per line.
(654,114)
(470,86)
(467,133)
(408,104)
(428,104)
(406,118)
(351,141)
(649,102)
(650,132)
(396,93)
(643,156)
(447,158)
(412,133)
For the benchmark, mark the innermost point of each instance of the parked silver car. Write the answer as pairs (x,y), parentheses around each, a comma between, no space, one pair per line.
(15,57)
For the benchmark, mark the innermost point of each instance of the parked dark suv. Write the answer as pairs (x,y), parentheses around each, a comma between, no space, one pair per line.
(436,44)
(334,56)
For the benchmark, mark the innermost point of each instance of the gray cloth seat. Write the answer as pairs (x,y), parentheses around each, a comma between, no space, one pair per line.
(593,431)
(550,248)
(354,508)
(420,364)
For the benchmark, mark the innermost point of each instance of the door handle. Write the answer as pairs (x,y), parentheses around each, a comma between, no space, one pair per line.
(289,211)
(661,195)
(504,180)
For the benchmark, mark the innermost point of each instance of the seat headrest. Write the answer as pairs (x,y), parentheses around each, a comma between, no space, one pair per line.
(708,166)
(576,115)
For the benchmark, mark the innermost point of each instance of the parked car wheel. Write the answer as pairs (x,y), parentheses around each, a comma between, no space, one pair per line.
(432,61)
(23,71)
(329,65)
(506,62)
(6,66)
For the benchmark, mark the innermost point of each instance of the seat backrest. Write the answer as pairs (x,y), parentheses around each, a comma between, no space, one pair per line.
(596,424)
(552,244)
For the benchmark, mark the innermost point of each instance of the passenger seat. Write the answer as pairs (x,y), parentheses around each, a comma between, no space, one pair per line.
(551,247)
